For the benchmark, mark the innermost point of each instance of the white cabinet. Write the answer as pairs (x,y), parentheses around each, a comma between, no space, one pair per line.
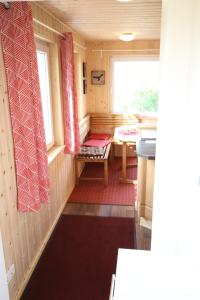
(145,191)
(112,288)
(143,275)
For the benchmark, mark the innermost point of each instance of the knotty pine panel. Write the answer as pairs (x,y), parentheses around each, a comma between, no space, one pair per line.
(99,96)
(107,122)
(44,16)
(107,19)
(24,234)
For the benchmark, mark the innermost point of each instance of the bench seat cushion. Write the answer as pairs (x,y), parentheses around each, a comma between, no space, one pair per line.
(99,136)
(96,143)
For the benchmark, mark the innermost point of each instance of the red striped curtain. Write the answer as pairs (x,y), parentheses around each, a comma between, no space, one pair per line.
(71,126)
(19,53)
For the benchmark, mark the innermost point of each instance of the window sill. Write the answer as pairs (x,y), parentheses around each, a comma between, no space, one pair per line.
(53,153)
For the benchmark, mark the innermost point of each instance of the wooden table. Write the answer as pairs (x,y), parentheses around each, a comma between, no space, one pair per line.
(125,140)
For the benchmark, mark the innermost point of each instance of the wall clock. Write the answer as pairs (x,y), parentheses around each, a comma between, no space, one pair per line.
(98,77)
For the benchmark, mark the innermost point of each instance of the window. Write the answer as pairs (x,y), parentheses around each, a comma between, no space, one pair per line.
(43,69)
(135,85)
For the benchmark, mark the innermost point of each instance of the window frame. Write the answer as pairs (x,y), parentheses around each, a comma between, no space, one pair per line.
(127,57)
(44,47)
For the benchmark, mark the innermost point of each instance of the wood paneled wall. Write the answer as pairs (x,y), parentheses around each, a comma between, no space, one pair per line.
(44,16)
(79,58)
(107,122)
(24,235)
(84,127)
(99,96)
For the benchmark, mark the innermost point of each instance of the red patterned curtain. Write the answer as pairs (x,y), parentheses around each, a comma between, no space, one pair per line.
(71,130)
(19,53)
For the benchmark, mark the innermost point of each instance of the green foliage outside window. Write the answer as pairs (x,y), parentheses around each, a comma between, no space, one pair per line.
(135,86)
(146,100)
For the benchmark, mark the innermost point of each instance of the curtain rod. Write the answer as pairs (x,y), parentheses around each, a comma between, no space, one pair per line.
(57,32)
(6,4)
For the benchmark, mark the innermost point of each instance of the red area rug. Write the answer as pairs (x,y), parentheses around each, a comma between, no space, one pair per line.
(80,259)
(116,193)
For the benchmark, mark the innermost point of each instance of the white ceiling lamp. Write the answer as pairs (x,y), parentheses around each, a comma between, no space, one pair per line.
(127,37)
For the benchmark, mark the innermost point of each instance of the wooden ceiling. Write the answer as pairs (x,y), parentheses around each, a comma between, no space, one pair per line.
(107,19)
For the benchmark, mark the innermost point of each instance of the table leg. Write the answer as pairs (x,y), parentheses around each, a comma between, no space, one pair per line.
(124,162)
(124,178)
(76,171)
(106,172)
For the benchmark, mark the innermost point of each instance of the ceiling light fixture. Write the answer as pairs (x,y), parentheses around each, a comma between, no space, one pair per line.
(127,37)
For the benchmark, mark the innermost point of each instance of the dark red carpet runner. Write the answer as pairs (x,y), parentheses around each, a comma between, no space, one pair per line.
(80,259)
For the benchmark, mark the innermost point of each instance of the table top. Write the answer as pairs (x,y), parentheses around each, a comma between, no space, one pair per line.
(148,275)
(126,134)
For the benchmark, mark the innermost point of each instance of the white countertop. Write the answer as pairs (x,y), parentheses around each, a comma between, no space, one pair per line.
(143,275)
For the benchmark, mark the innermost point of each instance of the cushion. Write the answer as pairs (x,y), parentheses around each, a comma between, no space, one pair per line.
(99,136)
(91,151)
(96,143)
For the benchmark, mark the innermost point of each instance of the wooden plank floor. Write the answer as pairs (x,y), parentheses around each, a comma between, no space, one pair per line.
(143,235)
(99,210)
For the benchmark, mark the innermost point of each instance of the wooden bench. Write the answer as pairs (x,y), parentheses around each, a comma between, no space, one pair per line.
(94,159)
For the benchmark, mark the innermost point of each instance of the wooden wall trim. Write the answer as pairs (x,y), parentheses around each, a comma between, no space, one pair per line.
(140,45)
(147,119)
(54,152)
(108,121)
(51,20)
